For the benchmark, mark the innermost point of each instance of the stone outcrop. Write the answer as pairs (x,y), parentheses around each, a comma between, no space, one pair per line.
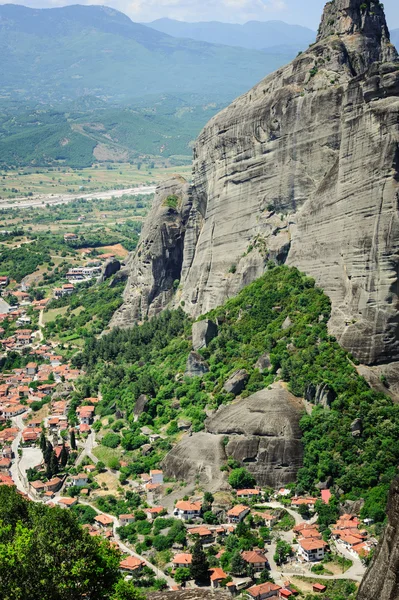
(156,265)
(261,432)
(111,267)
(196,366)
(236,382)
(203,332)
(196,594)
(304,169)
(263,363)
(382,577)
(140,405)
(320,394)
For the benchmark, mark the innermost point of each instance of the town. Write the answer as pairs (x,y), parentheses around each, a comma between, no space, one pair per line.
(260,543)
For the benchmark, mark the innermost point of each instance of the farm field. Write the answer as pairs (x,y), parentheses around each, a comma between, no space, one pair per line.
(28,181)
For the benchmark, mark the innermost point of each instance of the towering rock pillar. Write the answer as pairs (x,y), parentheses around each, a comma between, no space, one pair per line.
(303,170)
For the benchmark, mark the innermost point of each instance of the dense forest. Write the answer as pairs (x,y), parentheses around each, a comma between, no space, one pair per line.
(150,359)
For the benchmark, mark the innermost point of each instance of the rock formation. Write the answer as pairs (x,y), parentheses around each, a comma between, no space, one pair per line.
(382,578)
(303,169)
(261,432)
(155,267)
(111,267)
(203,332)
(196,366)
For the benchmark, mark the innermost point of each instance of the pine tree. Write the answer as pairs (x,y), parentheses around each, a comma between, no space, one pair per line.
(63,456)
(54,464)
(73,439)
(48,452)
(43,442)
(199,564)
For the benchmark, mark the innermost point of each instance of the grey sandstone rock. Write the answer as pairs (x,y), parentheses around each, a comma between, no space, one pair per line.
(236,382)
(263,363)
(302,169)
(320,394)
(156,264)
(286,323)
(261,432)
(110,268)
(140,405)
(357,428)
(203,332)
(382,578)
(196,366)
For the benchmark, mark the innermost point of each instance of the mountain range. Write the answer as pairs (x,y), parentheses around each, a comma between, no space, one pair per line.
(254,35)
(64,53)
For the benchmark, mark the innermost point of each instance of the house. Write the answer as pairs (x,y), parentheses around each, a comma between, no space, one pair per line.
(5,464)
(217,576)
(186,510)
(263,591)
(156,476)
(153,513)
(89,468)
(54,484)
(67,502)
(37,487)
(126,519)
(309,502)
(268,518)
(248,494)
(86,414)
(31,368)
(104,520)
(205,535)
(319,588)
(131,563)
(4,281)
(66,290)
(311,550)
(182,560)
(8,452)
(70,237)
(237,513)
(325,496)
(80,480)
(255,559)
(284,593)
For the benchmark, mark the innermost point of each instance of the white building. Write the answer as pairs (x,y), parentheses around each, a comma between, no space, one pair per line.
(186,510)
(311,550)
(156,476)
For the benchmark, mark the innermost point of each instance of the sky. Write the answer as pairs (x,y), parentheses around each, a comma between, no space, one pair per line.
(301,12)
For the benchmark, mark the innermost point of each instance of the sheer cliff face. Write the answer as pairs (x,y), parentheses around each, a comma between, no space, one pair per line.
(303,169)
(382,578)
(157,262)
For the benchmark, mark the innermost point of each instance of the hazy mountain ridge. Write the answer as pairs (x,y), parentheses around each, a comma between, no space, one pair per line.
(65,53)
(252,35)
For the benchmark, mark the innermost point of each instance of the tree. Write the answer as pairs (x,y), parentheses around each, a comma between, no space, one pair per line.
(54,464)
(35,541)
(63,456)
(304,511)
(73,439)
(237,564)
(182,574)
(265,576)
(241,478)
(210,518)
(43,442)
(199,564)
(48,452)
(125,590)
(283,551)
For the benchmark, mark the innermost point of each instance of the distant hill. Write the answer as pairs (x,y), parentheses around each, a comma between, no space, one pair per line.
(79,133)
(255,35)
(64,53)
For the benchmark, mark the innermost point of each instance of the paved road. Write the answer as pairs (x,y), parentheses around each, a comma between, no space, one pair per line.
(42,200)
(127,550)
